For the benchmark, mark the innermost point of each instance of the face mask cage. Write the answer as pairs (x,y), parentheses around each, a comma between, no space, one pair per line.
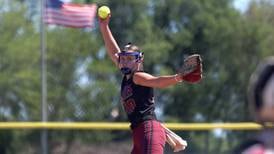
(138,55)
(128,64)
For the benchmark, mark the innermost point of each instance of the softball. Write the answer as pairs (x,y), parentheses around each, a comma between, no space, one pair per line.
(103,12)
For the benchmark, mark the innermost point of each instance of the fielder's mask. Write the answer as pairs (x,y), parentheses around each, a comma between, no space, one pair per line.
(128,60)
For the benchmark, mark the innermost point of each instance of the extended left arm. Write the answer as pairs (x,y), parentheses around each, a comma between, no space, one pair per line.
(145,79)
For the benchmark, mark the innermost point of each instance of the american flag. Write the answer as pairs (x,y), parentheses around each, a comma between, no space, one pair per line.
(69,14)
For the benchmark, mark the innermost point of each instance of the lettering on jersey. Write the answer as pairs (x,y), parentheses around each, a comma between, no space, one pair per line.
(129,105)
(127,92)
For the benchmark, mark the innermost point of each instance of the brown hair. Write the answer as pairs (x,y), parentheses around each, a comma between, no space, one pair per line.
(132,47)
(257,84)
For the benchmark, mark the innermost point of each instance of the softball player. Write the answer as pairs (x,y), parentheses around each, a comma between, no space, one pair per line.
(137,97)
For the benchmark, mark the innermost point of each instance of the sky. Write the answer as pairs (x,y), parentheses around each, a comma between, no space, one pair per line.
(238,4)
(241,5)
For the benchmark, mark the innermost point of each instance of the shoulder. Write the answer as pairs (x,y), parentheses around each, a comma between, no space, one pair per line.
(141,78)
(142,75)
(138,73)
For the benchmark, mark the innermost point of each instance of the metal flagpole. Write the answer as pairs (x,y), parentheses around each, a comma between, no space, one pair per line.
(44,133)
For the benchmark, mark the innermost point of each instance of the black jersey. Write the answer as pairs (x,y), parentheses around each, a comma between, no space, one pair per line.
(138,101)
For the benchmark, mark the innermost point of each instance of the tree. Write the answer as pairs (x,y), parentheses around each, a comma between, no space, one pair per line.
(83,84)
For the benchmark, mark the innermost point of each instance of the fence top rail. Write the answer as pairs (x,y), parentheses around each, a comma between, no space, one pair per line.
(125,126)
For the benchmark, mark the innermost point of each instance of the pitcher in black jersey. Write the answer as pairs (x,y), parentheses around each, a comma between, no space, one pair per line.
(137,93)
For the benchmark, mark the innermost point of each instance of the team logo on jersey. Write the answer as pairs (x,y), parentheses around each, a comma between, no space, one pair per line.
(129,105)
(127,92)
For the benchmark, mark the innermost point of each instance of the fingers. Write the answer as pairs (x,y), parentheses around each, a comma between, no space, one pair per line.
(104,22)
(170,141)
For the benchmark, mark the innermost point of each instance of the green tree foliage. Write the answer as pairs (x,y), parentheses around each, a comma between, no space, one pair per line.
(19,67)
(83,83)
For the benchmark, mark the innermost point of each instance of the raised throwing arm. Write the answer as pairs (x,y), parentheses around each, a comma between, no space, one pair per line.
(110,43)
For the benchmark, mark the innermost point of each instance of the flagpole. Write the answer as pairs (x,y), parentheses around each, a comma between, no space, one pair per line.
(44,133)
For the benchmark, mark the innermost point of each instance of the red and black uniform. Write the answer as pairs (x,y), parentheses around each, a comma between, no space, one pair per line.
(138,102)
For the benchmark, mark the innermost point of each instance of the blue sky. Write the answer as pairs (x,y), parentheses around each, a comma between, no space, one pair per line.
(238,4)
(241,4)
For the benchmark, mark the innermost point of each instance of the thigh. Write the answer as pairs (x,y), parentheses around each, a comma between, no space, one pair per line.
(156,138)
(149,138)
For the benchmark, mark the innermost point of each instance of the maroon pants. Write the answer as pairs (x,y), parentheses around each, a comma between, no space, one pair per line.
(148,138)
